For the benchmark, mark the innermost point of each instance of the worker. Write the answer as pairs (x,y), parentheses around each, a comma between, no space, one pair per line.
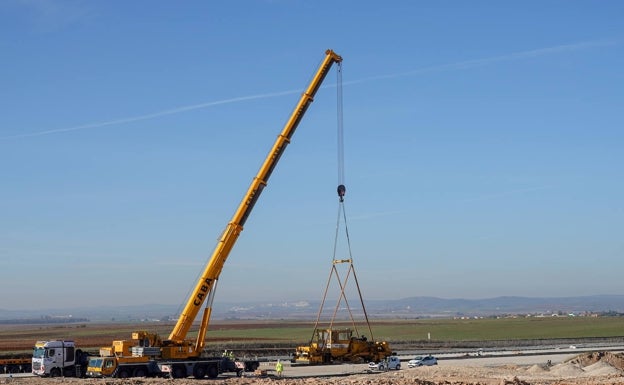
(279,368)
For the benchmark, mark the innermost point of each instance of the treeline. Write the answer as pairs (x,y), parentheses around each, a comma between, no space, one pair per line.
(43,320)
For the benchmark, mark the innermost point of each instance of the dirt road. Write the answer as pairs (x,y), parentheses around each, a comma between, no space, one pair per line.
(600,368)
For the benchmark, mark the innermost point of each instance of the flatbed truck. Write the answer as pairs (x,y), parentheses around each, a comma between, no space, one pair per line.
(18,364)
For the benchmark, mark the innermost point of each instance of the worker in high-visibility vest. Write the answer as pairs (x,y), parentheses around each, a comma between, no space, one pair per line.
(279,368)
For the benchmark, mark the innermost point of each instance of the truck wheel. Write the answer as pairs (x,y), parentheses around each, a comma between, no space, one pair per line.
(139,372)
(199,371)
(123,373)
(239,373)
(398,367)
(56,372)
(213,372)
(178,371)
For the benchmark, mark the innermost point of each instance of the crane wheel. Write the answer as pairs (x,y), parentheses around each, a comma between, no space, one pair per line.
(139,372)
(199,371)
(213,372)
(178,371)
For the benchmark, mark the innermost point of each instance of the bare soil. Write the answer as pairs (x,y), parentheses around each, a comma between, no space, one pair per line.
(597,368)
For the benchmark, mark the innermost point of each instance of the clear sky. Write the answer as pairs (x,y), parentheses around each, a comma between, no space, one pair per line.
(484,148)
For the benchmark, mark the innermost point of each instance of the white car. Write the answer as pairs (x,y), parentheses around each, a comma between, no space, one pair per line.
(391,362)
(422,361)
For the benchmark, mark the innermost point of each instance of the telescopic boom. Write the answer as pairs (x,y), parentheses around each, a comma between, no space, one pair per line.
(233,229)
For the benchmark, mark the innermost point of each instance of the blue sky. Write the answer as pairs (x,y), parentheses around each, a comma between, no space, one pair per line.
(483,148)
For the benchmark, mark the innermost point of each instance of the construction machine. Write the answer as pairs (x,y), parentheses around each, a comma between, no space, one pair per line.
(146,353)
(340,345)
(331,344)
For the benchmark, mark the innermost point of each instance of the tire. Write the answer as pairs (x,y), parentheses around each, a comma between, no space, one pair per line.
(239,373)
(123,373)
(178,371)
(213,371)
(398,367)
(199,371)
(139,372)
(56,372)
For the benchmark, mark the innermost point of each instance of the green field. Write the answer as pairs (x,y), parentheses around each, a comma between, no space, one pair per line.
(502,329)
(283,334)
(447,330)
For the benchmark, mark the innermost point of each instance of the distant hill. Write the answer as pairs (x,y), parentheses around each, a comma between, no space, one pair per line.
(432,306)
(412,307)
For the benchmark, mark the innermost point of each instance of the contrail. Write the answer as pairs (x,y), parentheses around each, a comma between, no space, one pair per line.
(153,115)
(490,60)
(437,68)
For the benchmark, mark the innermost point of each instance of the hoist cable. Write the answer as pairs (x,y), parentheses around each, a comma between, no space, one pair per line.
(341,217)
(341,193)
(341,175)
(357,284)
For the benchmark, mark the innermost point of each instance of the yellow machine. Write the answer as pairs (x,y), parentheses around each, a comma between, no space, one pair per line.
(330,344)
(177,355)
(340,345)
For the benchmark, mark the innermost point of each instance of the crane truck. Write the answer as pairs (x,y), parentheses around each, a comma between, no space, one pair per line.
(146,354)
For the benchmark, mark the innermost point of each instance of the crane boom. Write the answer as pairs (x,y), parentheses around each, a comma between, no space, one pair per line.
(235,226)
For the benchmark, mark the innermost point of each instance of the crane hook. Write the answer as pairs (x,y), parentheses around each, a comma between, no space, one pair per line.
(341,191)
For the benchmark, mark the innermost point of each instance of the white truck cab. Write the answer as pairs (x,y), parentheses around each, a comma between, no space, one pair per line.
(57,358)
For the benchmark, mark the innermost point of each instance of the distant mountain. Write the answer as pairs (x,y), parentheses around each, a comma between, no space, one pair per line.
(432,306)
(412,307)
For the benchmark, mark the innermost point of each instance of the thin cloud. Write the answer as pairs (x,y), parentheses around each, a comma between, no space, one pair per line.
(467,64)
(153,115)
(443,67)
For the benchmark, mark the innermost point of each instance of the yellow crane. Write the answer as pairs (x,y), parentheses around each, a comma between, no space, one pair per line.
(147,353)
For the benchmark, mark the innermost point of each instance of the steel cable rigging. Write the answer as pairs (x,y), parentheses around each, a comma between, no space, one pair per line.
(342,220)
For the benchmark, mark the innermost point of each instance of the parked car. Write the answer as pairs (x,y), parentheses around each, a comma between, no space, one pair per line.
(422,361)
(392,362)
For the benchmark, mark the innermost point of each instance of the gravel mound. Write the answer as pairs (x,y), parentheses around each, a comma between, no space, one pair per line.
(567,370)
(601,368)
(536,369)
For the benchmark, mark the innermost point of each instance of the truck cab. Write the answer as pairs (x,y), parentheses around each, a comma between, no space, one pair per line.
(58,358)
(101,366)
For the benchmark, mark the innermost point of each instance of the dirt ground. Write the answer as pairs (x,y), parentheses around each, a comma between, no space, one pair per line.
(597,368)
